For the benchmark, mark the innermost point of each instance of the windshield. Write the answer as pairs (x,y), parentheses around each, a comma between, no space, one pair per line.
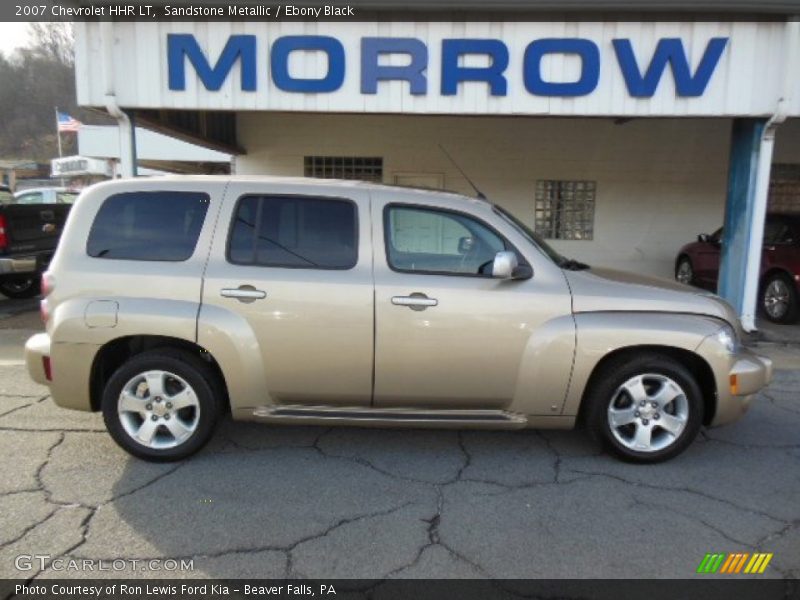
(533,237)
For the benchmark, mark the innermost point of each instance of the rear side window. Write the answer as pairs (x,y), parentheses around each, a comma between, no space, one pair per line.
(30,198)
(294,232)
(158,226)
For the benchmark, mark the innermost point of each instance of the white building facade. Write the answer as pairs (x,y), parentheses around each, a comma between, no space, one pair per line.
(614,139)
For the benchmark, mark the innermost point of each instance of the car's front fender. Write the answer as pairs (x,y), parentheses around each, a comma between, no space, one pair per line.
(602,333)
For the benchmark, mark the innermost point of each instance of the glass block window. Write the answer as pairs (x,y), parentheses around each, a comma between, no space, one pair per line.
(364,168)
(565,209)
(784,189)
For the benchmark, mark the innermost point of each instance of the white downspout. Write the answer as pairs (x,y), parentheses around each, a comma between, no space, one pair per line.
(126,132)
(791,44)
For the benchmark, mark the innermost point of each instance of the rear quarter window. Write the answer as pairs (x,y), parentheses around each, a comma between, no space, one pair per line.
(153,226)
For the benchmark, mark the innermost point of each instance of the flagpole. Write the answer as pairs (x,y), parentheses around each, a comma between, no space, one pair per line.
(58,134)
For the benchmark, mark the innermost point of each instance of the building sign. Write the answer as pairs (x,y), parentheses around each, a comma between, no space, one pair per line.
(75,166)
(494,68)
(640,81)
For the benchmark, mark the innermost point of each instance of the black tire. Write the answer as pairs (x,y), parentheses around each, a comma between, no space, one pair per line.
(605,389)
(779,313)
(20,288)
(195,372)
(686,263)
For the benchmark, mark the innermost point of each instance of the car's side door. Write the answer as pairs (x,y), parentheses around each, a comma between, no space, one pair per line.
(291,267)
(707,258)
(448,335)
(780,243)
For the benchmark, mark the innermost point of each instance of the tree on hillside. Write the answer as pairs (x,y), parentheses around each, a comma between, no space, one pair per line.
(33,81)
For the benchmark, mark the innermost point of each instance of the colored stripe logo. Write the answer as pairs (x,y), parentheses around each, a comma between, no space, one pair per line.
(734,563)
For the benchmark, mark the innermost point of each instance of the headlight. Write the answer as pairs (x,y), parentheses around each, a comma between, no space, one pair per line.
(727,338)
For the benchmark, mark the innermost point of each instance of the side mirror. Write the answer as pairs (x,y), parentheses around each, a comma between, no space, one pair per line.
(465,244)
(703,237)
(506,266)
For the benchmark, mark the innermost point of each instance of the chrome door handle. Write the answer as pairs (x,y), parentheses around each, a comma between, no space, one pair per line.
(415,301)
(243,293)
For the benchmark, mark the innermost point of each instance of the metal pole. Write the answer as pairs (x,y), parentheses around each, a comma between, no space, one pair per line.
(134,165)
(58,134)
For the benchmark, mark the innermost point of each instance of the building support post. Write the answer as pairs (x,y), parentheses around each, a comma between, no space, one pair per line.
(752,143)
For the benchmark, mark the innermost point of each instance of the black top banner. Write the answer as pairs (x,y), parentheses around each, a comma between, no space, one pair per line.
(385,10)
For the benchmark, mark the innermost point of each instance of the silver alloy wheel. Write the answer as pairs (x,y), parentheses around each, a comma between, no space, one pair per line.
(158,409)
(684,274)
(648,412)
(776,298)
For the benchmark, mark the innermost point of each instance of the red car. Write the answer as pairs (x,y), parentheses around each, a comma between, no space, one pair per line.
(698,264)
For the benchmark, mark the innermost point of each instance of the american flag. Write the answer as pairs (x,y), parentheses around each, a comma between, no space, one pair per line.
(67,123)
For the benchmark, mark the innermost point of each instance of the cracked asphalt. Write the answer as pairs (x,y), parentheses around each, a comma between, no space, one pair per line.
(267,501)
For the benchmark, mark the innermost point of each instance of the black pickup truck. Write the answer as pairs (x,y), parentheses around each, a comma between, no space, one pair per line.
(28,238)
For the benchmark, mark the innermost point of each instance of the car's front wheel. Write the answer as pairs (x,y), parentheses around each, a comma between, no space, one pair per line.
(161,405)
(779,299)
(646,409)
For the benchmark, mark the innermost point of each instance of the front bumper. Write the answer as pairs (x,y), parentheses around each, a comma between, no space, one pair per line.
(738,376)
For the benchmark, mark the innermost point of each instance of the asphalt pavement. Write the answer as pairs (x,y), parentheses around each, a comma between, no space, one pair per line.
(269,501)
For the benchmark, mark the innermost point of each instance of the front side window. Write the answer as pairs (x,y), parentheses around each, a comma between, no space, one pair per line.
(433,241)
(294,232)
(776,232)
(153,226)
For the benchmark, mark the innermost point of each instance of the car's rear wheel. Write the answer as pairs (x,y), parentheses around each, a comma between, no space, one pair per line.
(646,409)
(161,406)
(684,271)
(20,287)
(779,299)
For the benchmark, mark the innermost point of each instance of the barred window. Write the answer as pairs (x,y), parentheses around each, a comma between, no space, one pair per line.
(565,209)
(364,168)
(784,189)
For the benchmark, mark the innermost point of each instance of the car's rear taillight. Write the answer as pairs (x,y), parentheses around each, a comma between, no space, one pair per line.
(44,311)
(48,283)
(3,236)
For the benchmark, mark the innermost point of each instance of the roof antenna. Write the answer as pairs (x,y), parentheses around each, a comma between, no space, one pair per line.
(478,193)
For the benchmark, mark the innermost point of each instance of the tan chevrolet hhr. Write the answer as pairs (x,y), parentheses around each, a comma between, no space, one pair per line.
(173,300)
